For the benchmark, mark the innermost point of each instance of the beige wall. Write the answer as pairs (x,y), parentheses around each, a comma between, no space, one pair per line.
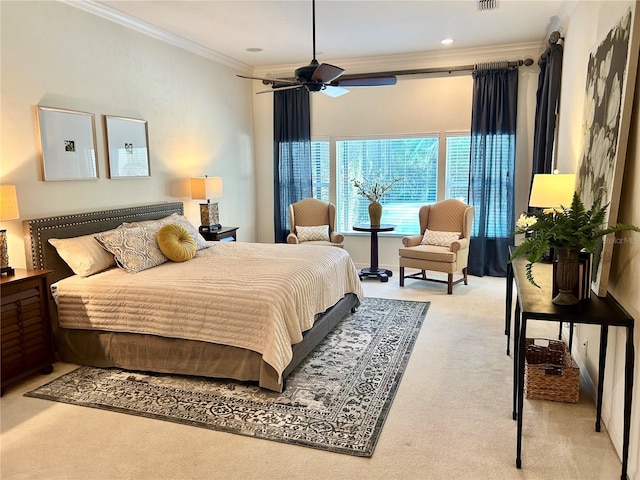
(198,113)
(588,25)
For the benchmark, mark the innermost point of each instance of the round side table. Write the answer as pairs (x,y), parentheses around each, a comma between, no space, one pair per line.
(373,271)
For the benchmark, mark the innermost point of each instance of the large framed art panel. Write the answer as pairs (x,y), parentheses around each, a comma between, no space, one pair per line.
(611,74)
(68,144)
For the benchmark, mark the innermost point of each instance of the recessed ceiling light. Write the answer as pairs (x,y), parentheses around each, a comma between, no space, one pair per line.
(447,41)
(254,49)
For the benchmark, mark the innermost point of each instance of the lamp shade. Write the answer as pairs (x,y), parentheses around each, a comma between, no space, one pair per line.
(8,203)
(206,188)
(552,190)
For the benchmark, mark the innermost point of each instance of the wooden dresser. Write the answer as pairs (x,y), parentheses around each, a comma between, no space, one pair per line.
(26,336)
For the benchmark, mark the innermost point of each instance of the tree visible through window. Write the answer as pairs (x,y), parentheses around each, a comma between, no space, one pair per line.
(414,158)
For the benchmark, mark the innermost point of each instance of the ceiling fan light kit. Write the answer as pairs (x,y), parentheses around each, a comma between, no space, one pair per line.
(325,78)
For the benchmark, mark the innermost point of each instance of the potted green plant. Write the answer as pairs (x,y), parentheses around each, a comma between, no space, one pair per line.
(374,190)
(566,230)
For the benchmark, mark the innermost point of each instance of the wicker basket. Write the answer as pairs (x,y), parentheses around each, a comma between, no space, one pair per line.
(550,372)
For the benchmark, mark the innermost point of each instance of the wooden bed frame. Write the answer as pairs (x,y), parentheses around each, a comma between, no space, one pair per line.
(148,352)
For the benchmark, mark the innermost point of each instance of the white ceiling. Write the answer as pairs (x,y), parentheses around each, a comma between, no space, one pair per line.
(345,29)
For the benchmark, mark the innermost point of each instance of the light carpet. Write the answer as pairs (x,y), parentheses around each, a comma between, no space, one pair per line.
(337,399)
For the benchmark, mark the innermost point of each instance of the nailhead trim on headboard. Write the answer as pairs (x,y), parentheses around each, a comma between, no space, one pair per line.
(41,254)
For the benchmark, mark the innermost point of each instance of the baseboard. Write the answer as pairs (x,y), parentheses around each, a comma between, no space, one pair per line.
(585,379)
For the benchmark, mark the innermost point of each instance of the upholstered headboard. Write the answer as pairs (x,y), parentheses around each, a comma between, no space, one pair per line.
(41,254)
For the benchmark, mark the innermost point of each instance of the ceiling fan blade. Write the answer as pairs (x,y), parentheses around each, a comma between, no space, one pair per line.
(326,73)
(277,89)
(267,81)
(366,82)
(331,91)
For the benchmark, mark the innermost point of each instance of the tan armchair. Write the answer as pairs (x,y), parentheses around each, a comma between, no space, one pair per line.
(311,212)
(445,216)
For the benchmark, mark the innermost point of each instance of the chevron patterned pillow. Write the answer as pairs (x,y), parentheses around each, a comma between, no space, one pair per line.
(442,239)
(310,234)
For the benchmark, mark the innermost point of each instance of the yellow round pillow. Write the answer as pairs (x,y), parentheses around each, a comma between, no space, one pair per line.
(176,243)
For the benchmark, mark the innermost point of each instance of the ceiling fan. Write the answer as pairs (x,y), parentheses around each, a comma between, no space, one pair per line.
(324,77)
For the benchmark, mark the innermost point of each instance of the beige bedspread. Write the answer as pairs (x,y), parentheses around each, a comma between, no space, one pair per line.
(255,296)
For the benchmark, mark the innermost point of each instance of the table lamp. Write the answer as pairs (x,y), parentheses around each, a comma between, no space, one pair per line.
(552,190)
(8,211)
(205,189)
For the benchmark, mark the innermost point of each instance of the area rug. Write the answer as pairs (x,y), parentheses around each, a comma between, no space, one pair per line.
(337,399)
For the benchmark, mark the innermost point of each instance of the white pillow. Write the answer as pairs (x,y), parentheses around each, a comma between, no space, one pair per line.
(135,248)
(310,234)
(84,255)
(175,219)
(442,239)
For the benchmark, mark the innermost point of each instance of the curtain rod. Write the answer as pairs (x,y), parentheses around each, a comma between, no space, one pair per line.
(460,68)
(554,38)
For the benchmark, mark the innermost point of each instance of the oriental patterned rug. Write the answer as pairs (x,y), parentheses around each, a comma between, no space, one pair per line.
(337,399)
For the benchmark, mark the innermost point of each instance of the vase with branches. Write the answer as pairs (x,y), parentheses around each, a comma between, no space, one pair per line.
(373,190)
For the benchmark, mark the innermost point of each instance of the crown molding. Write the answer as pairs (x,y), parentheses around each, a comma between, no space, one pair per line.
(429,59)
(157,33)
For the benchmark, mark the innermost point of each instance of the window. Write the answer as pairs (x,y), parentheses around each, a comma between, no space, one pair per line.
(457,177)
(320,170)
(416,159)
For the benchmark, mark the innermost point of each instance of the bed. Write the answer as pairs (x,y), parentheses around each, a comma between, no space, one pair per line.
(237,310)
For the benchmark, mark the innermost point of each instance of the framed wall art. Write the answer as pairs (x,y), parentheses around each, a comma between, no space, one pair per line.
(68,144)
(611,74)
(127,147)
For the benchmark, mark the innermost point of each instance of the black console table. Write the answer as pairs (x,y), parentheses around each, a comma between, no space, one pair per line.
(373,271)
(535,304)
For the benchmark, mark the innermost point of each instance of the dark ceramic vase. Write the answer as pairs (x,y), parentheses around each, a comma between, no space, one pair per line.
(566,275)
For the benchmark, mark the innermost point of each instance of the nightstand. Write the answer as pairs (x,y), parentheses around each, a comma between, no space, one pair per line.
(223,234)
(27,338)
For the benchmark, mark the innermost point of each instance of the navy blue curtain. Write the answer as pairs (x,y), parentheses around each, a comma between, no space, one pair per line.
(292,155)
(547,97)
(491,182)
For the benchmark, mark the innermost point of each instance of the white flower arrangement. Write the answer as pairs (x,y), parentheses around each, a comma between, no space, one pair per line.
(374,190)
(525,221)
(563,228)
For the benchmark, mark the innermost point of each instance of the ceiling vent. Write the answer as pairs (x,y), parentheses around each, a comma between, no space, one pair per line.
(487,4)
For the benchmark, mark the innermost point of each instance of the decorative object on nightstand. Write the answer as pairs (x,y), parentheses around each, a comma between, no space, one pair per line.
(27,338)
(207,188)
(8,211)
